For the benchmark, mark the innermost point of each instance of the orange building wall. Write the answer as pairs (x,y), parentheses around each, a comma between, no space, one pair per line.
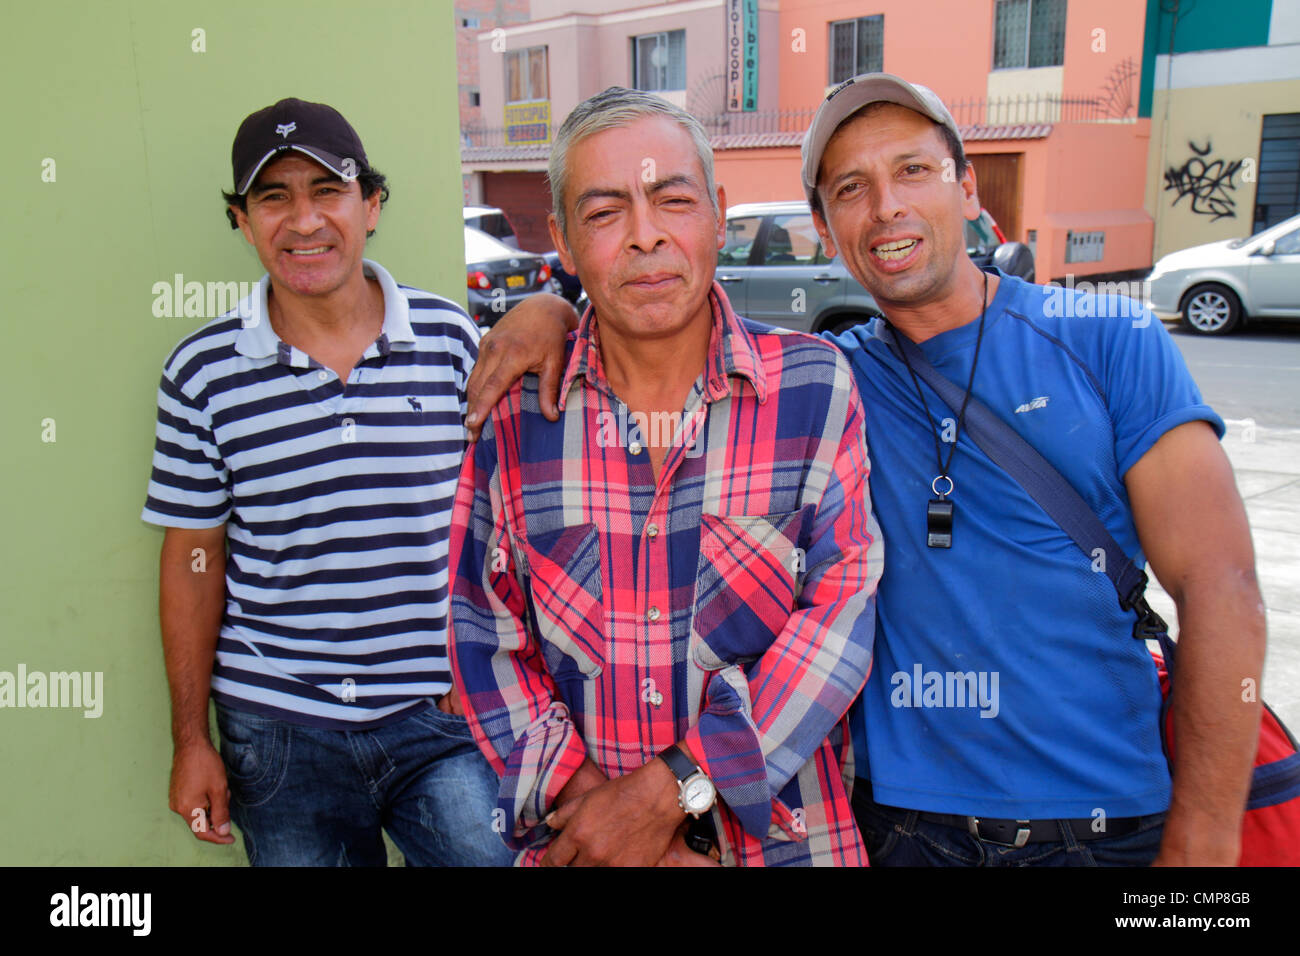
(948,44)
(945,44)
(1086,176)
(758,175)
(1095,62)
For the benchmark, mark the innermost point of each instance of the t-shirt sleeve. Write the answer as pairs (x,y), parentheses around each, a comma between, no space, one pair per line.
(188,487)
(1148,387)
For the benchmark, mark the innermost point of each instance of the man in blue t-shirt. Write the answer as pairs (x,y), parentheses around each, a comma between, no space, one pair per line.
(1011,717)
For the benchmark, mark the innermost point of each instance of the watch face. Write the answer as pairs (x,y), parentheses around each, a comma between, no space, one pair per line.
(698,794)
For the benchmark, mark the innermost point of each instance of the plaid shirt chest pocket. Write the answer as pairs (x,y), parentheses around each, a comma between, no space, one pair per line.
(747,581)
(563,583)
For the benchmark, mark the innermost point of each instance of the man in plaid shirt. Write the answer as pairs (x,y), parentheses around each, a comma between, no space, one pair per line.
(663,604)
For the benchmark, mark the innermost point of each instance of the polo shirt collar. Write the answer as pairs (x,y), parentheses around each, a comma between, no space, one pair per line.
(732,351)
(257,340)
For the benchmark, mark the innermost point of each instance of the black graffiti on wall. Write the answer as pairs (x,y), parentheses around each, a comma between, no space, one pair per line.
(1209,184)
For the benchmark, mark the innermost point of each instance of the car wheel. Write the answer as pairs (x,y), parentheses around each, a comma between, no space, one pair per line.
(1211,310)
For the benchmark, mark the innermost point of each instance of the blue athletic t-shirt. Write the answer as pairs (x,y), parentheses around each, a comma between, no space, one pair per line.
(1006,679)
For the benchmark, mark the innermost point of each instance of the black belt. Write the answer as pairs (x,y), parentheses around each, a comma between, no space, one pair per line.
(1015,833)
(1020,832)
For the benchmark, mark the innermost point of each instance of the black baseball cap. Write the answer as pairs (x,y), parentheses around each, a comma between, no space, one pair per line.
(315,129)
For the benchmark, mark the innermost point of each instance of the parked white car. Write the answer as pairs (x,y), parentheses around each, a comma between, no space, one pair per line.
(1219,285)
(493,221)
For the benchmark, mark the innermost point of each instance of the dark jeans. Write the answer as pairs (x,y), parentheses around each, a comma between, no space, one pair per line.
(303,796)
(896,837)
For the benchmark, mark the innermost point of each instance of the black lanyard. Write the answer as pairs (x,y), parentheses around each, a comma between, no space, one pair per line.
(939,511)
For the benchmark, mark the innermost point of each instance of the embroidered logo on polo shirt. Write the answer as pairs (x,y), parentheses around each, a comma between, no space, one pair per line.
(415,405)
(284,129)
(1039,402)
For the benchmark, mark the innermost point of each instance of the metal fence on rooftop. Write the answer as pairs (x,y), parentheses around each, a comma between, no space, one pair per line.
(786,127)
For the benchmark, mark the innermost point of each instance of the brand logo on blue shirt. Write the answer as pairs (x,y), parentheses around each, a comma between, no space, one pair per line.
(1029,406)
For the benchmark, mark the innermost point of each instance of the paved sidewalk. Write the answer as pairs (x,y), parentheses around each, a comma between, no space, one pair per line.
(1267,464)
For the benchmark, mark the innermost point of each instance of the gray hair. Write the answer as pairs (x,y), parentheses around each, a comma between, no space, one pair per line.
(610,109)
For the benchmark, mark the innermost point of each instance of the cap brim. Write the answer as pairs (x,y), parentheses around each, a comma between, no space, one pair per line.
(331,162)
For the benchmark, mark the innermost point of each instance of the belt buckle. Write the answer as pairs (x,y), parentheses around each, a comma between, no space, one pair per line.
(1022,833)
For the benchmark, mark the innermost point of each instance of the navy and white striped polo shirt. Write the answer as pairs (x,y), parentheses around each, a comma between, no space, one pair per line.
(337,502)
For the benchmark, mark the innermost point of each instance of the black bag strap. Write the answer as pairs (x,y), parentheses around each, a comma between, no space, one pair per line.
(1054,494)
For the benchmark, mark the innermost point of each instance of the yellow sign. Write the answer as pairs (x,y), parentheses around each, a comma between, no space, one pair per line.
(528,122)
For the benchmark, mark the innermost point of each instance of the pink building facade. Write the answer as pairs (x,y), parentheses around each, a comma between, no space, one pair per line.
(678,50)
(1059,151)
(1047,106)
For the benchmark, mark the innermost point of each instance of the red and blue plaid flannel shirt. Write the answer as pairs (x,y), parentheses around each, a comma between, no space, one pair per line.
(731,604)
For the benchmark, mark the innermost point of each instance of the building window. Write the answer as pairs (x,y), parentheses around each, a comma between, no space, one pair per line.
(470,22)
(857,46)
(1277,193)
(1028,33)
(474,98)
(659,61)
(526,75)
(1085,246)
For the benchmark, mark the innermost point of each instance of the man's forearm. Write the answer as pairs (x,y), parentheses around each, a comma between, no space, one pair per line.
(530,337)
(1216,719)
(192,597)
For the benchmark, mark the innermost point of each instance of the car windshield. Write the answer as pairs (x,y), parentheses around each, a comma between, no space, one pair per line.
(494,225)
(480,246)
(1238,243)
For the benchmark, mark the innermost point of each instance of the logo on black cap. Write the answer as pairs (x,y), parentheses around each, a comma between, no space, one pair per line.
(284,129)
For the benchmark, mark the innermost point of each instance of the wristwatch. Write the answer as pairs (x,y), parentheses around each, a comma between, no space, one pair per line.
(696,792)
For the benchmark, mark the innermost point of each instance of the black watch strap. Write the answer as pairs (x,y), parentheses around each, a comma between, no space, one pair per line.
(681,765)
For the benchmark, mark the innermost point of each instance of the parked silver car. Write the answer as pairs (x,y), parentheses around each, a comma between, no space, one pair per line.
(1219,285)
(775,270)
(493,221)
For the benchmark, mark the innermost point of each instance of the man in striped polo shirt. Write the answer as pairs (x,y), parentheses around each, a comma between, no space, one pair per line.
(308,447)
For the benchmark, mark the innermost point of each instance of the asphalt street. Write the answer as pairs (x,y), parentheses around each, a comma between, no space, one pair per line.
(1252,379)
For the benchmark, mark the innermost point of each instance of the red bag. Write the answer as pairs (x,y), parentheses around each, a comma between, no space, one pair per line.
(1270,829)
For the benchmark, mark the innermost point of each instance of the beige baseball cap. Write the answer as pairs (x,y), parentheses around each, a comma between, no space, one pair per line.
(853,94)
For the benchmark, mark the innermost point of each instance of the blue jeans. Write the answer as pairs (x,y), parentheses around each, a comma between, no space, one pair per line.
(896,837)
(303,796)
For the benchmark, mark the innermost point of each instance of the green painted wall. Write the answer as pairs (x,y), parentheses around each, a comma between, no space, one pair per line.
(139,127)
(1202,25)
